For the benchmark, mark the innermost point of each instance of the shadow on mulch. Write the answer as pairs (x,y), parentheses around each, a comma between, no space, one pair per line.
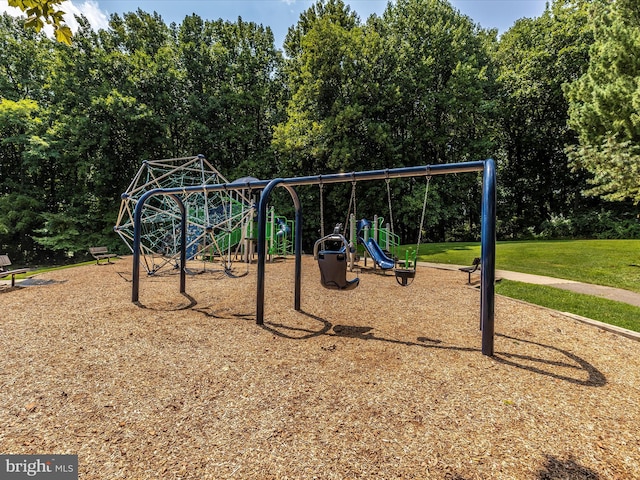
(538,364)
(555,468)
(32,282)
(595,377)
(191,302)
(535,364)
(29,282)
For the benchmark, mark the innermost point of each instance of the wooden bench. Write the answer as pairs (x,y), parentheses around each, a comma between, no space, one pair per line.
(4,272)
(475,266)
(101,253)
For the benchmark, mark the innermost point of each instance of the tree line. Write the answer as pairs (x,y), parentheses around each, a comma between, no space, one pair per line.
(554,100)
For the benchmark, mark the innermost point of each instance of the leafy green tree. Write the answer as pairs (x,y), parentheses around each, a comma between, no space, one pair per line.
(535,59)
(24,61)
(19,208)
(256,98)
(24,69)
(408,88)
(230,77)
(333,11)
(441,109)
(441,74)
(138,90)
(605,101)
(327,125)
(101,127)
(325,113)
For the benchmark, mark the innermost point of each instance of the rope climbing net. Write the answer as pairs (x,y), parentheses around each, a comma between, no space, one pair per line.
(215,220)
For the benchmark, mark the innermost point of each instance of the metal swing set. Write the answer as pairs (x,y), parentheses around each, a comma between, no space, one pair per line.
(488,228)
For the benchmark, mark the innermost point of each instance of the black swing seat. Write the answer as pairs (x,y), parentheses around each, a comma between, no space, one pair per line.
(333,264)
(333,270)
(403,275)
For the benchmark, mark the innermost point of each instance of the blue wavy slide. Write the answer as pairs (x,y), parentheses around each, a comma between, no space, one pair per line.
(377,254)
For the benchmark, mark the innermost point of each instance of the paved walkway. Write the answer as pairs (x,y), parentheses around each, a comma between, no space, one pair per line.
(610,293)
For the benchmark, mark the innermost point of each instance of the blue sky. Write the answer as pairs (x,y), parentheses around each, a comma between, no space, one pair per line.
(281,14)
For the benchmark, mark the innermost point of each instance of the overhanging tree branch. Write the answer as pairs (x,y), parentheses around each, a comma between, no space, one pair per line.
(40,12)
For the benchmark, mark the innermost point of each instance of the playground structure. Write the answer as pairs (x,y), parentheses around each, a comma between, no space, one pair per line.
(377,242)
(279,235)
(220,224)
(376,239)
(488,228)
(334,252)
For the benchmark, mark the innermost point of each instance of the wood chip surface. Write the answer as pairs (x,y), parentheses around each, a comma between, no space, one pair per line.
(381,382)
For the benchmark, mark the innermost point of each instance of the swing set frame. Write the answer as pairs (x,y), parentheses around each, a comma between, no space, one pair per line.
(488,228)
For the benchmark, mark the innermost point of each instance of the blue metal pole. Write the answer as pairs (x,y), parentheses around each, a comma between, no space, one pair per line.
(488,257)
(183,243)
(298,256)
(297,248)
(137,222)
(135,289)
(262,247)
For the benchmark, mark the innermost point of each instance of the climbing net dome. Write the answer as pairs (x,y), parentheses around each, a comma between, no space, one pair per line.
(215,220)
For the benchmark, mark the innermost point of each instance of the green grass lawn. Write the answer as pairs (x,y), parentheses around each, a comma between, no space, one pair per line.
(601,262)
(596,308)
(36,271)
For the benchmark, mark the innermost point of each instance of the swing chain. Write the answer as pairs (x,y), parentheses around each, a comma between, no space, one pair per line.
(387,180)
(353,195)
(321,208)
(424,209)
(352,201)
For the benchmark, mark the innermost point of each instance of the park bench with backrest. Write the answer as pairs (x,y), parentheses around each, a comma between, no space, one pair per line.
(101,253)
(475,266)
(5,272)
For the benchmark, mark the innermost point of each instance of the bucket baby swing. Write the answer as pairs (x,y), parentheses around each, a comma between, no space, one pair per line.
(333,261)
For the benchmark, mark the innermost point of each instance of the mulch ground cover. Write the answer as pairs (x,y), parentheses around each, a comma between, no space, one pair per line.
(379,382)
